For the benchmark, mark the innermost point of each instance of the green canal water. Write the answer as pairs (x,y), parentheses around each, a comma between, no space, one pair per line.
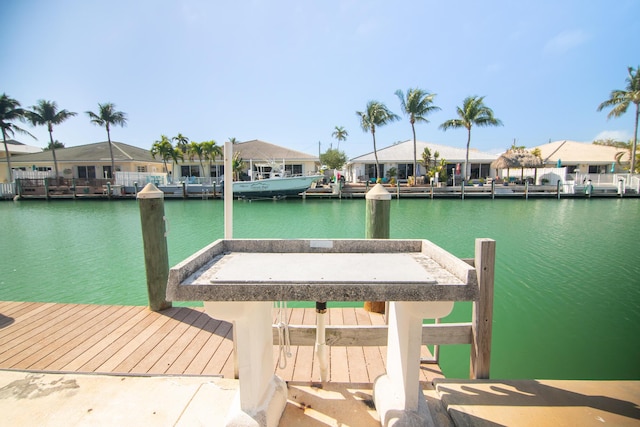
(567,298)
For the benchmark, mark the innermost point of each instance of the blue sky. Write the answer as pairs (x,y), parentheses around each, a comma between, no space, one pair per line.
(287,72)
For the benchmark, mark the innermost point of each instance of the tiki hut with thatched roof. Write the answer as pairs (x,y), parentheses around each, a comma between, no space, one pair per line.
(518,159)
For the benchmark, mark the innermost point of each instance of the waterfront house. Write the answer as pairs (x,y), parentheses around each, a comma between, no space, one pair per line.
(259,158)
(90,161)
(583,157)
(400,156)
(262,155)
(16,149)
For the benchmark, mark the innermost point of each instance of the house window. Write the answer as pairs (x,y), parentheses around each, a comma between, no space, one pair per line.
(190,170)
(141,169)
(87,172)
(43,169)
(217,171)
(405,170)
(370,170)
(293,170)
(597,169)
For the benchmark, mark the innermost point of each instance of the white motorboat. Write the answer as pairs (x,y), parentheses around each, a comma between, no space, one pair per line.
(270,180)
(274,186)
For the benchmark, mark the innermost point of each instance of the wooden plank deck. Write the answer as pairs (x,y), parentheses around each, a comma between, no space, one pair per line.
(178,341)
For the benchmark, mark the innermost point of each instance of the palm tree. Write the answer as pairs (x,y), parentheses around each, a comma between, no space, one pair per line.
(195,149)
(46,113)
(620,101)
(620,155)
(107,116)
(376,114)
(175,155)
(164,150)
(341,134)
(233,140)
(182,142)
(417,104)
(53,145)
(211,150)
(9,111)
(473,112)
(237,164)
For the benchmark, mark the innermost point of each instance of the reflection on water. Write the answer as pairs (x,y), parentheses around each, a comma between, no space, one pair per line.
(567,301)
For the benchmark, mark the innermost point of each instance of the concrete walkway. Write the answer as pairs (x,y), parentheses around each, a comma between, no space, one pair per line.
(541,403)
(52,399)
(36,399)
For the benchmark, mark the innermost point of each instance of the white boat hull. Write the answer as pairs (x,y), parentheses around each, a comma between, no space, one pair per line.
(274,187)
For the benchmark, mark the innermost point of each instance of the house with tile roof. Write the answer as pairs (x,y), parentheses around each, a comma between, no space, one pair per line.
(87,161)
(261,157)
(91,161)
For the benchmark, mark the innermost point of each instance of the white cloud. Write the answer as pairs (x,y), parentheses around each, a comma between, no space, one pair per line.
(616,135)
(565,41)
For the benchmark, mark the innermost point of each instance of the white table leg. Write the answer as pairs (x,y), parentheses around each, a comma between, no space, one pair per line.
(262,395)
(397,394)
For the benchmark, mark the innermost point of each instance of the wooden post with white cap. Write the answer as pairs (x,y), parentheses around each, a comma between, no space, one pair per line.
(377,223)
(156,258)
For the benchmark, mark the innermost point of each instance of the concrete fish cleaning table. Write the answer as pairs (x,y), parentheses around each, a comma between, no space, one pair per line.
(239,280)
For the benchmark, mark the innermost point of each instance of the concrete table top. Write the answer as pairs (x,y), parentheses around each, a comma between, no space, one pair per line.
(322,270)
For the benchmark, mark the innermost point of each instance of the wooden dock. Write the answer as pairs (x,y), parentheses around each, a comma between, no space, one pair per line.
(186,342)
(54,337)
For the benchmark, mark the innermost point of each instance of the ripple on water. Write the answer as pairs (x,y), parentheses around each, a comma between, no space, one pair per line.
(567,272)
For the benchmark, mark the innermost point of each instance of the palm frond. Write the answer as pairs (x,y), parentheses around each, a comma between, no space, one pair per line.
(453,124)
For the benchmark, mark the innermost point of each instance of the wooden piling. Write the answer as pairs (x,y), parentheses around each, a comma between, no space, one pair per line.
(482,312)
(377,223)
(156,257)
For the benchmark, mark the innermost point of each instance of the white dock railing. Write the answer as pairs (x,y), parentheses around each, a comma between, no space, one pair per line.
(129,179)
(20,174)
(7,190)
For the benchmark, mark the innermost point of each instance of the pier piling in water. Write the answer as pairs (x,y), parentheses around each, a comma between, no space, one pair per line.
(377,223)
(156,257)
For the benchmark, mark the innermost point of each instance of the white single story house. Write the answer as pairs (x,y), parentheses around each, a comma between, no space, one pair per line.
(400,156)
(583,157)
